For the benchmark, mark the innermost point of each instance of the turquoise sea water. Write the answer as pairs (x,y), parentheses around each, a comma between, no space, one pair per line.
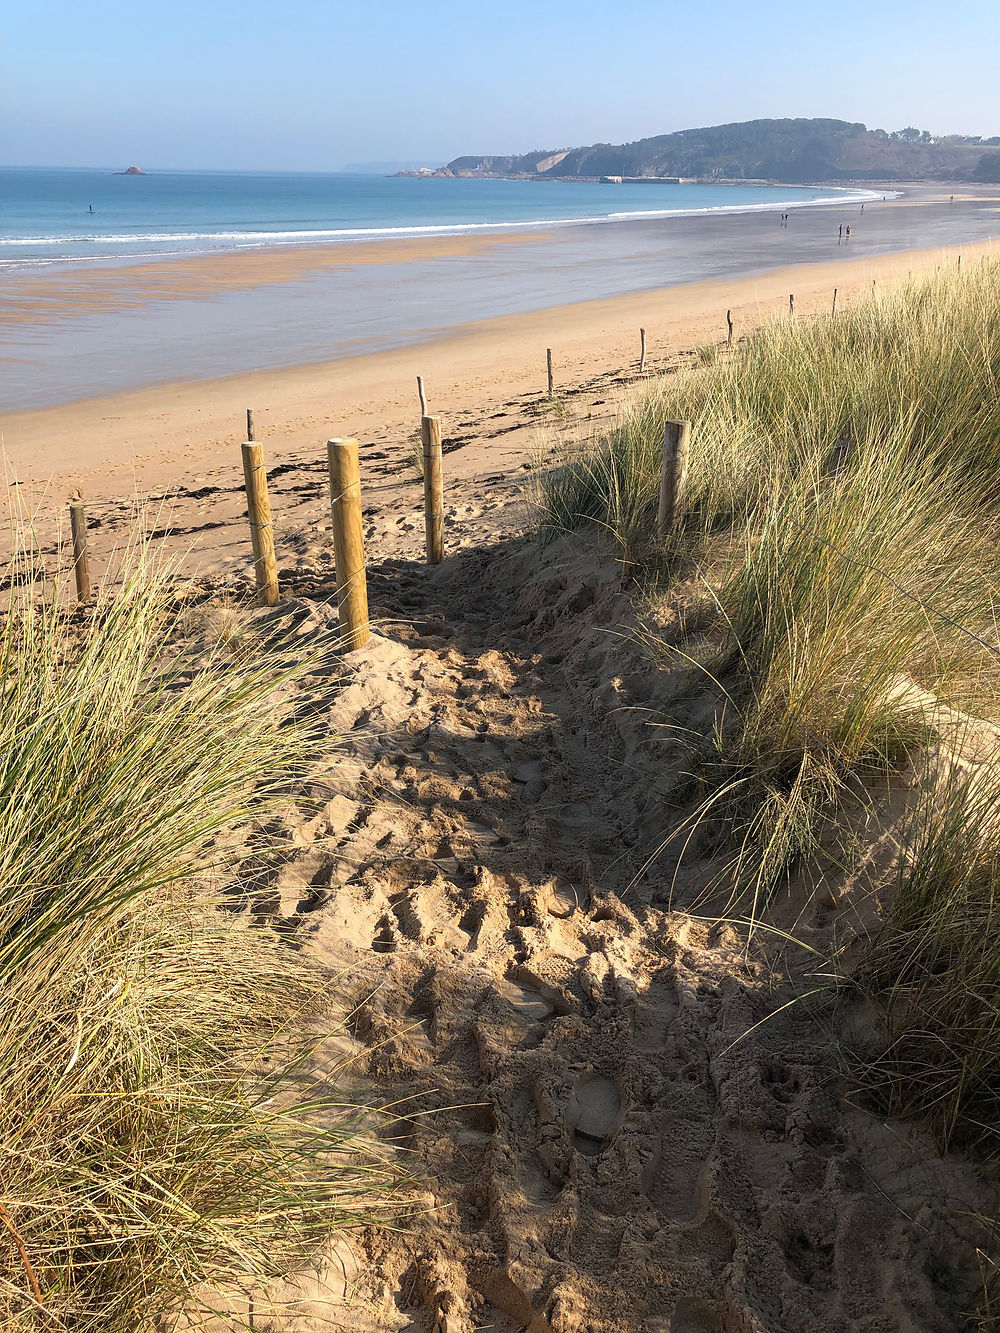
(45,215)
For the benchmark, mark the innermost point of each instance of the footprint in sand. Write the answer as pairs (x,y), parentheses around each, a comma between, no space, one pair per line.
(594,1113)
(528,1003)
(562,899)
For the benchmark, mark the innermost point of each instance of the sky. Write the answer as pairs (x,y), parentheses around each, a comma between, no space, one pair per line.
(315,84)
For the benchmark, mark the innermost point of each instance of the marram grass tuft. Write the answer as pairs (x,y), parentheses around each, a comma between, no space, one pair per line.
(841,519)
(151,1137)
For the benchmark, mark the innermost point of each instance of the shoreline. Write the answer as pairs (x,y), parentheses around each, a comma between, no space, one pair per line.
(157,437)
(336,239)
(38,292)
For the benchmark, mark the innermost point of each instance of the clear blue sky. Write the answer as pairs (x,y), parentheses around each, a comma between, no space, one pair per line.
(312,84)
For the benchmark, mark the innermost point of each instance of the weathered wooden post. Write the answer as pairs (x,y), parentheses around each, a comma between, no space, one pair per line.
(81,555)
(676,435)
(959,261)
(548,366)
(423,398)
(250,424)
(430,434)
(348,543)
(265,566)
(642,350)
(791,304)
(729,328)
(833,310)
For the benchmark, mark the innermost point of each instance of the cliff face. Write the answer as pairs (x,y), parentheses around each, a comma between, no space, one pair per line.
(787,150)
(527,164)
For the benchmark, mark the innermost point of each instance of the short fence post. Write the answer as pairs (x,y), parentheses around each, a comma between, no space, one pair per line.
(791,304)
(833,310)
(430,434)
(675,446)
(250,424)
(729,328)
(548,366)
(348,543)
(81,556)
(265,567)
(423,398)
(642,350)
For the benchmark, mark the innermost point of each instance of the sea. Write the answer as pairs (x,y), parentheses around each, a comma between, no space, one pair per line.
(113,282)
(52,217)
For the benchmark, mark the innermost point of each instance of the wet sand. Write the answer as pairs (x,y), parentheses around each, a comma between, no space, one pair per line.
(72,333)
(46,296)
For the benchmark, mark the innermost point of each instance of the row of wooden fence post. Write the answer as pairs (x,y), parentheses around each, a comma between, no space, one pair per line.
(550,379)
(345,503)
(346,517)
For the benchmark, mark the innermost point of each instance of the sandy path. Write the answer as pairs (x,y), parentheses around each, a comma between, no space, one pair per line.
(617,1125)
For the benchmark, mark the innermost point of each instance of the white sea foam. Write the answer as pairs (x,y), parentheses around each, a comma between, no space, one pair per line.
(236,239)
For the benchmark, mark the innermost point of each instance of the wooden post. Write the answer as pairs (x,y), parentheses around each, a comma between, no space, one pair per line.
(81,556)
(348,543)
(250,424)
(675,446)
(548,366)
(423,399)
(430,433)
(729,328)
(642,350)
(791,304)
(261,528)
(834,310)
(959,261)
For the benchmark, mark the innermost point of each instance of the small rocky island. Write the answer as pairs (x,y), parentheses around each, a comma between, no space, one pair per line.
(131,171)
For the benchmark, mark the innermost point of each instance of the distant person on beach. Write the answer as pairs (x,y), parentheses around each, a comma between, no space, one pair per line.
(840,232)
(848,237)
(862,208)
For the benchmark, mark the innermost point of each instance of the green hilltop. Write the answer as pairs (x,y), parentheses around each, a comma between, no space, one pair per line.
(787,150)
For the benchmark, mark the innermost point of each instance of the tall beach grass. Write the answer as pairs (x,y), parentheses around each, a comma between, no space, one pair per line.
(151,1140)
(840,520)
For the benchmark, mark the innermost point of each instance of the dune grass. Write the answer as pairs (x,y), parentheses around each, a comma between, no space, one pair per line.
(935,966)
(150,1136)
(841,521)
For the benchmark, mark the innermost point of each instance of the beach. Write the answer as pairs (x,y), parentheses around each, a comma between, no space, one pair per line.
(164,438)
(72,331)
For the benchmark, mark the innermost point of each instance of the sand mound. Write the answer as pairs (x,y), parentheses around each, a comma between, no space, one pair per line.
(619,1124)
